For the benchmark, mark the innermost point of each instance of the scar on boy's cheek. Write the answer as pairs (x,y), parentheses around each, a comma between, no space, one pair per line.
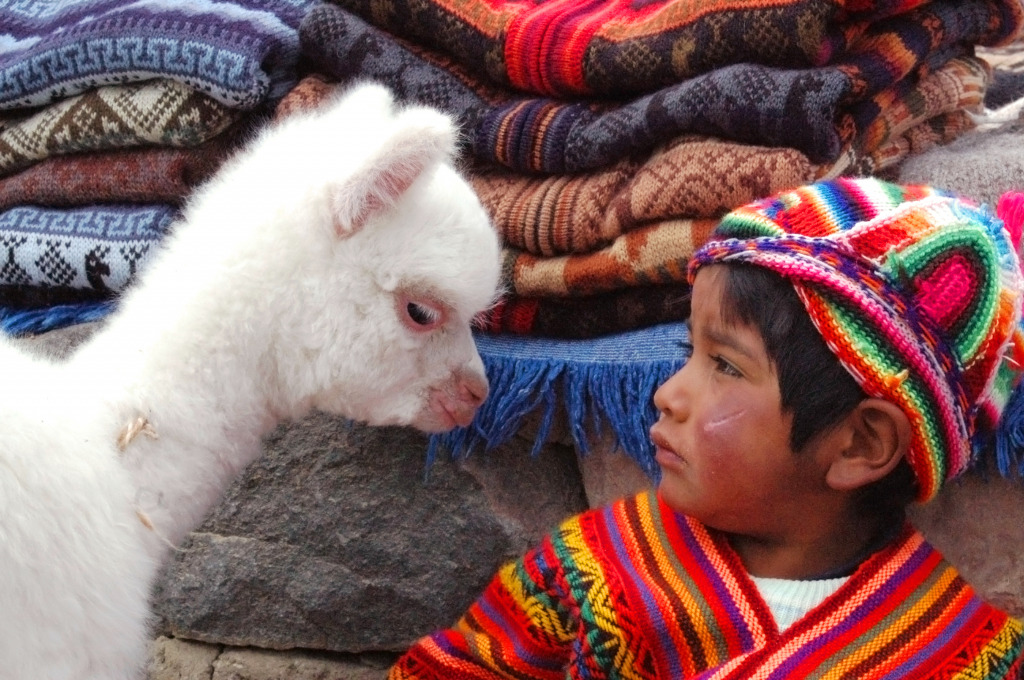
(717,423)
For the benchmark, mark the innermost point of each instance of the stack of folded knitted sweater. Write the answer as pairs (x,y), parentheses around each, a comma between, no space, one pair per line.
(110,113)
(606,137)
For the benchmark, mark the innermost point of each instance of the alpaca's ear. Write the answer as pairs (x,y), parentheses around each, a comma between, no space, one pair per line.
(424,139)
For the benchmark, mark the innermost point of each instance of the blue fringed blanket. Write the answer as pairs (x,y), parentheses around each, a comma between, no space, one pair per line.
(604,384)
(607,384)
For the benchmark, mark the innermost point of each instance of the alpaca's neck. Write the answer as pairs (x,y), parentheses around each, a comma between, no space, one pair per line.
(191,373)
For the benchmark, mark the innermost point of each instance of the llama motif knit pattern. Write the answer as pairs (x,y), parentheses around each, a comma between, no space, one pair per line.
(917,293)
(87,253)
(634,590)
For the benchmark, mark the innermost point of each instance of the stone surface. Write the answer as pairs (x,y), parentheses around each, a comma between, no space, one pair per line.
(334,539)
(174,659)
(609,474)
(257,664)
(979,165)
(978,524)
(181,660)
(338,539)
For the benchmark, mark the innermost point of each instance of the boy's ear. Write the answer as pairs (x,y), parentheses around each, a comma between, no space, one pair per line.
(877,437)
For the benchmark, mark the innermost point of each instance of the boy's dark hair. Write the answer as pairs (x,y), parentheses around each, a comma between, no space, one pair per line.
(814,386)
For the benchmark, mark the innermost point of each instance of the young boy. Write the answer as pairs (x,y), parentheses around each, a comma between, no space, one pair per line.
(852,346)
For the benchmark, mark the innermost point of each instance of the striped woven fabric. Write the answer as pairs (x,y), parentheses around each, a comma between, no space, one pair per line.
(639,221)
(700,177)
(151,174)
(636,591)
(817,111)
(610,48)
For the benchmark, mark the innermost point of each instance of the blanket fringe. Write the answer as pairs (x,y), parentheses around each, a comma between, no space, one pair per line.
(1009,437)
(605,385)
(17,322)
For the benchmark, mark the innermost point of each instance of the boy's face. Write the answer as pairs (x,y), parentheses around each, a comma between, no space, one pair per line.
(722,438)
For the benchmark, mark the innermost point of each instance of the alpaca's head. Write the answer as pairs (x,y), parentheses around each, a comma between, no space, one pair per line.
(375,312)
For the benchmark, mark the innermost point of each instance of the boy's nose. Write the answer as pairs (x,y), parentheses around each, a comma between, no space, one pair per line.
(671,397)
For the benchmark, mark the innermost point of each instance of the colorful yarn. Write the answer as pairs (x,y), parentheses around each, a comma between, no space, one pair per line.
(634,590)
(1010,210)
(917,293)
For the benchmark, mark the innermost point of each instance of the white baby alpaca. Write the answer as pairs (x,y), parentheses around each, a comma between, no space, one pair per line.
(334,264)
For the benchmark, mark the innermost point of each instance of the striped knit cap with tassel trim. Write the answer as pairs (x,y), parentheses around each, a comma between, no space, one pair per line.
(918,293)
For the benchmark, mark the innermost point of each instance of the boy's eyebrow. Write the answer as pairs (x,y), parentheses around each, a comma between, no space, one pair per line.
(719,337)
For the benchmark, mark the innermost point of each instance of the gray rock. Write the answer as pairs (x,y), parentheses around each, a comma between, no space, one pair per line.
(181,660)
(340,539)
(609,474)
(336,540)
(977,522)
(256,664)
(174,659)
(981,165)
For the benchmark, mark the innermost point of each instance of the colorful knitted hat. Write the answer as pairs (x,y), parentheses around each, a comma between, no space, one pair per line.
(917,293)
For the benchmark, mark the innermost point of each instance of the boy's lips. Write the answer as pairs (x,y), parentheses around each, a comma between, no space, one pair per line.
(661,444)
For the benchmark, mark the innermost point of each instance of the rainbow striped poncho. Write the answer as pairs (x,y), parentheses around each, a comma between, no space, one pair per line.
(634,590)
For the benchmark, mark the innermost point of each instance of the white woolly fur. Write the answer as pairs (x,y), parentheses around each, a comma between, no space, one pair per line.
(334,264)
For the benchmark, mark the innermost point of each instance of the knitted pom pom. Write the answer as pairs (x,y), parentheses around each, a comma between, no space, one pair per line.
(1010,210)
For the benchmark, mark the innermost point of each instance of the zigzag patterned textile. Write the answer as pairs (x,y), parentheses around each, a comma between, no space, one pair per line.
(161,112)
(636,591)
(88,253)
(817,110)
(239,52)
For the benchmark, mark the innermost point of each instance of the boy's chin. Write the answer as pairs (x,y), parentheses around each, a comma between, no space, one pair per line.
(674,497)
(683,501)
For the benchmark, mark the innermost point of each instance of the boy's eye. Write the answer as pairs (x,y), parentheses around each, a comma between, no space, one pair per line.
(687,348)
(723,366)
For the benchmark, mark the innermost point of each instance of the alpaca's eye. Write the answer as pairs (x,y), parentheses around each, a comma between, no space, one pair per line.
(422,314)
